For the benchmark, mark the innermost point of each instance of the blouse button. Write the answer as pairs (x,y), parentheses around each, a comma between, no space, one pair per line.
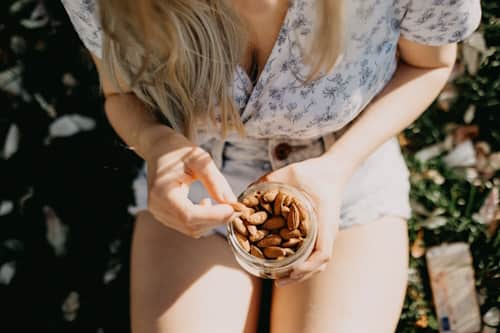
(282,150)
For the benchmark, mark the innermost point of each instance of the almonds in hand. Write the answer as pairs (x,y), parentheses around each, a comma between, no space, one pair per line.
(271,224)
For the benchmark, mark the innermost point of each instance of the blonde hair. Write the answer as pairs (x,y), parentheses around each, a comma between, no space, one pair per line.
(179,56)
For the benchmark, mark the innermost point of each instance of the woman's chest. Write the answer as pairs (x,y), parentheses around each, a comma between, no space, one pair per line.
(263,20)
(278,104)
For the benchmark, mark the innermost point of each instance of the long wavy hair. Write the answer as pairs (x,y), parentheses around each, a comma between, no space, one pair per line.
(179,56)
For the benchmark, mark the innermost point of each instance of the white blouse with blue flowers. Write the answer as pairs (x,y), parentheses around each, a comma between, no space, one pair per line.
(280,107)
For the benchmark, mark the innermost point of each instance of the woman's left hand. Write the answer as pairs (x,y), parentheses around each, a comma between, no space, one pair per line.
(323,183)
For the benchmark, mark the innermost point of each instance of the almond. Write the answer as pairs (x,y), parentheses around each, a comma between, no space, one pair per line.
(274,252)
(287,234)
(278,203)
(284,211)
(267,206)
(291,242)
(252,230)
(255,251)
(250,200)
(244,210)
(293,220)
(240,227)
(259,235)
(304,227)
(245,244)
(276,222)
(270,240)
(257,218)
(270,195)
(288,252)
(247,213)
(302,209)
(287,200)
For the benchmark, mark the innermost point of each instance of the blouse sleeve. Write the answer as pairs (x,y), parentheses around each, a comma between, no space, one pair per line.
(84,17)
(439,22)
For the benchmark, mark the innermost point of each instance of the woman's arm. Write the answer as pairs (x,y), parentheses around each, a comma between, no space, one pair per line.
(129,117)
(173,163)
(421,74)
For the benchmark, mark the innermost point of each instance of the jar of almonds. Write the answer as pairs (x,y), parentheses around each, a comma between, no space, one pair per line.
(274,229)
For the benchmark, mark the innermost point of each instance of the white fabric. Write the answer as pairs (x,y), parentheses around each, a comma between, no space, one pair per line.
(280,109)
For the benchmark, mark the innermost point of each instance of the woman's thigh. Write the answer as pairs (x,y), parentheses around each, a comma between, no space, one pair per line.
(362,290)
(180,284)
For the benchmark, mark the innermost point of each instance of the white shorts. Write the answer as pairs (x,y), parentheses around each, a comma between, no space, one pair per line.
(379,187)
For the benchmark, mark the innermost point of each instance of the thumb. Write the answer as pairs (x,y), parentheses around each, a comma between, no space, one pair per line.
(216,184)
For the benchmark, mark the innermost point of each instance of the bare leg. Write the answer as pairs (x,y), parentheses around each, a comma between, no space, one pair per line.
(362,290)
(180,284)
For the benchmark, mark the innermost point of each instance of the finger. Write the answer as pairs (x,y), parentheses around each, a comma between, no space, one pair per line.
(210,216)
(320,256)
(215,183)
(287,281)
(195,215)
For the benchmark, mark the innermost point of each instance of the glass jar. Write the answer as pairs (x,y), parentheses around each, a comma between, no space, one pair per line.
(272,268)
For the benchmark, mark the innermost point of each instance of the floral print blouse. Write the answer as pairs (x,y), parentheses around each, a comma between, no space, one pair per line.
(279,105)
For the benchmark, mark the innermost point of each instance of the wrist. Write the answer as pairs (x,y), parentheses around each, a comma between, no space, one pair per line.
(342,162)
(151,137)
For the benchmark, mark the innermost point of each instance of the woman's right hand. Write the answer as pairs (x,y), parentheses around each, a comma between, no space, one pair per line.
(173,164)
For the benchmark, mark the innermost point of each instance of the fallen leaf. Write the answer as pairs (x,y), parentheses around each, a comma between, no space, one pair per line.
(70,125)
(7,271)
(463,133)
(11,142)
(418,247)
(56,231)
(71,306)
(469,114)
(422,321)
(434,222)
(492,317)
(10,80)
(111,273)
(447,96)
(6,207)
(489,208)
(475,51)
(435,176)
(49,108)
(429,152)
(463,155)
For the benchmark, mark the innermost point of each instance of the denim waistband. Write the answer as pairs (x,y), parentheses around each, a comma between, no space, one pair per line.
(272,153)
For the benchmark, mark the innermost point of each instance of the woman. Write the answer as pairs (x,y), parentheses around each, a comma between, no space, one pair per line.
(306,92)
